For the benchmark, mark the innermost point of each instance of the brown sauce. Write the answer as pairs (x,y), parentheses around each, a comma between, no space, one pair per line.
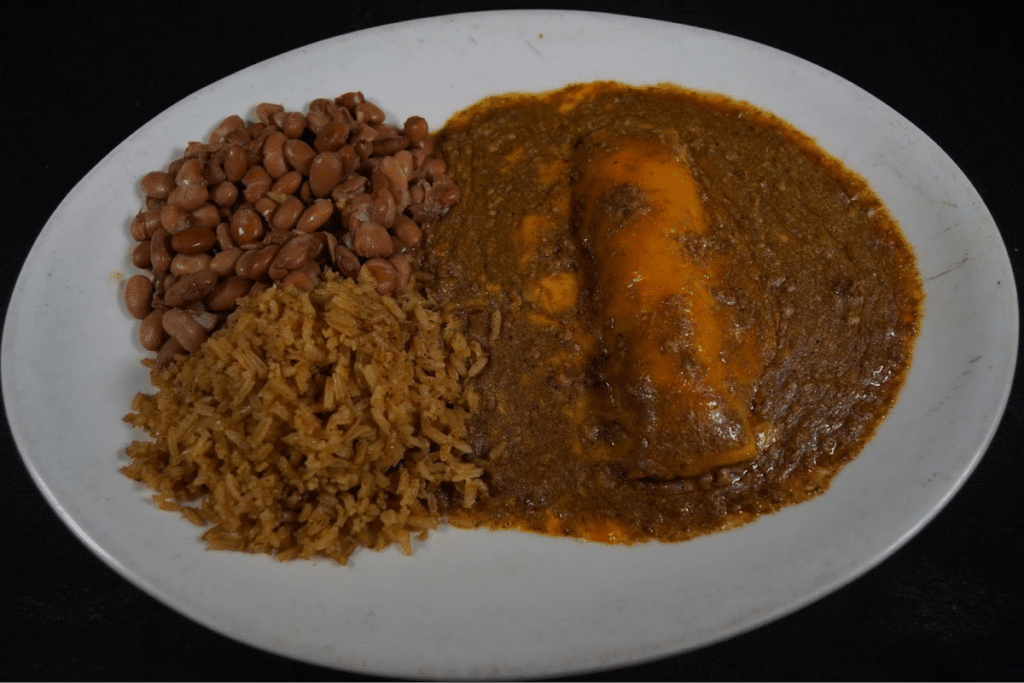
(703,316)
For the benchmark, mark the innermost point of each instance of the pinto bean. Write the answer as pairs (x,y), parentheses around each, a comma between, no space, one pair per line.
(314,217)
(184,329)
(246,226)
(138,296)
(193,240)
(190,288)
(223,262)
(157,184)
(299,155)
(151,330)
(227,292)
(186,264)
(324,173)
(384,274)
(287,215)
(371,239)
(140,255)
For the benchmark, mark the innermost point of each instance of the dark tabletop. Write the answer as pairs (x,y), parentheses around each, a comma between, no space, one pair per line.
(77,80)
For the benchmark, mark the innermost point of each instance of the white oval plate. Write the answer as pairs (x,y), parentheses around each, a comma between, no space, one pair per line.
(485,604)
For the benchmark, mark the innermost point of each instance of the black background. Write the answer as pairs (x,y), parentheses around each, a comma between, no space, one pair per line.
(77,80)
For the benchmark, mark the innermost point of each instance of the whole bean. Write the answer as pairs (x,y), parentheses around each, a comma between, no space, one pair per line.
(350,99)
(300,280)
(371,239)
(348,189)
(170,350)
(357,210)
(213,171)
(419,158)
(246,226)
(254,128)
(418,192)
(328,243)
(165,283)
(426,144)
(434,169)
(257,181)
(138,296)
(403,270)
(265,207)
(140,255)
(286,185)
(228,125)
(160,251)
(287,215)
(191,171)
(157,184)
(254,264)
(293,125)
(238,137)
(206,216)
(384,208)
(190,288)
(188,196)
(331,137)
(406,164)
(316,120)
(236,163)
(415,128)
(224,239)
(186,264)
(346,262)
(151,220)
(273,154)
(227,292)
(383,273)
(296,252)
(266,110)
(386,146)
(385,130)
(378,181)
(138,227)
(363,148)
(299,155)
(369,113)
(223,262)
(395,169)
(315,216)
(224,194)
(324,173)
(349,159)
(259,287)
(407,232)
(174,219)
(184,329)
(151,330)
(193,240)
(443,194)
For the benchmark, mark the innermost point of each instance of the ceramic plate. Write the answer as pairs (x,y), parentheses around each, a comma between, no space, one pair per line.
(489,604)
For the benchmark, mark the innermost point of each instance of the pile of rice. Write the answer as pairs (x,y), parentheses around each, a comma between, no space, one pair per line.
(314,423)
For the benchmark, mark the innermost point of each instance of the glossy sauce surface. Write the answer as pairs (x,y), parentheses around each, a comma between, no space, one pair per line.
(704,317)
